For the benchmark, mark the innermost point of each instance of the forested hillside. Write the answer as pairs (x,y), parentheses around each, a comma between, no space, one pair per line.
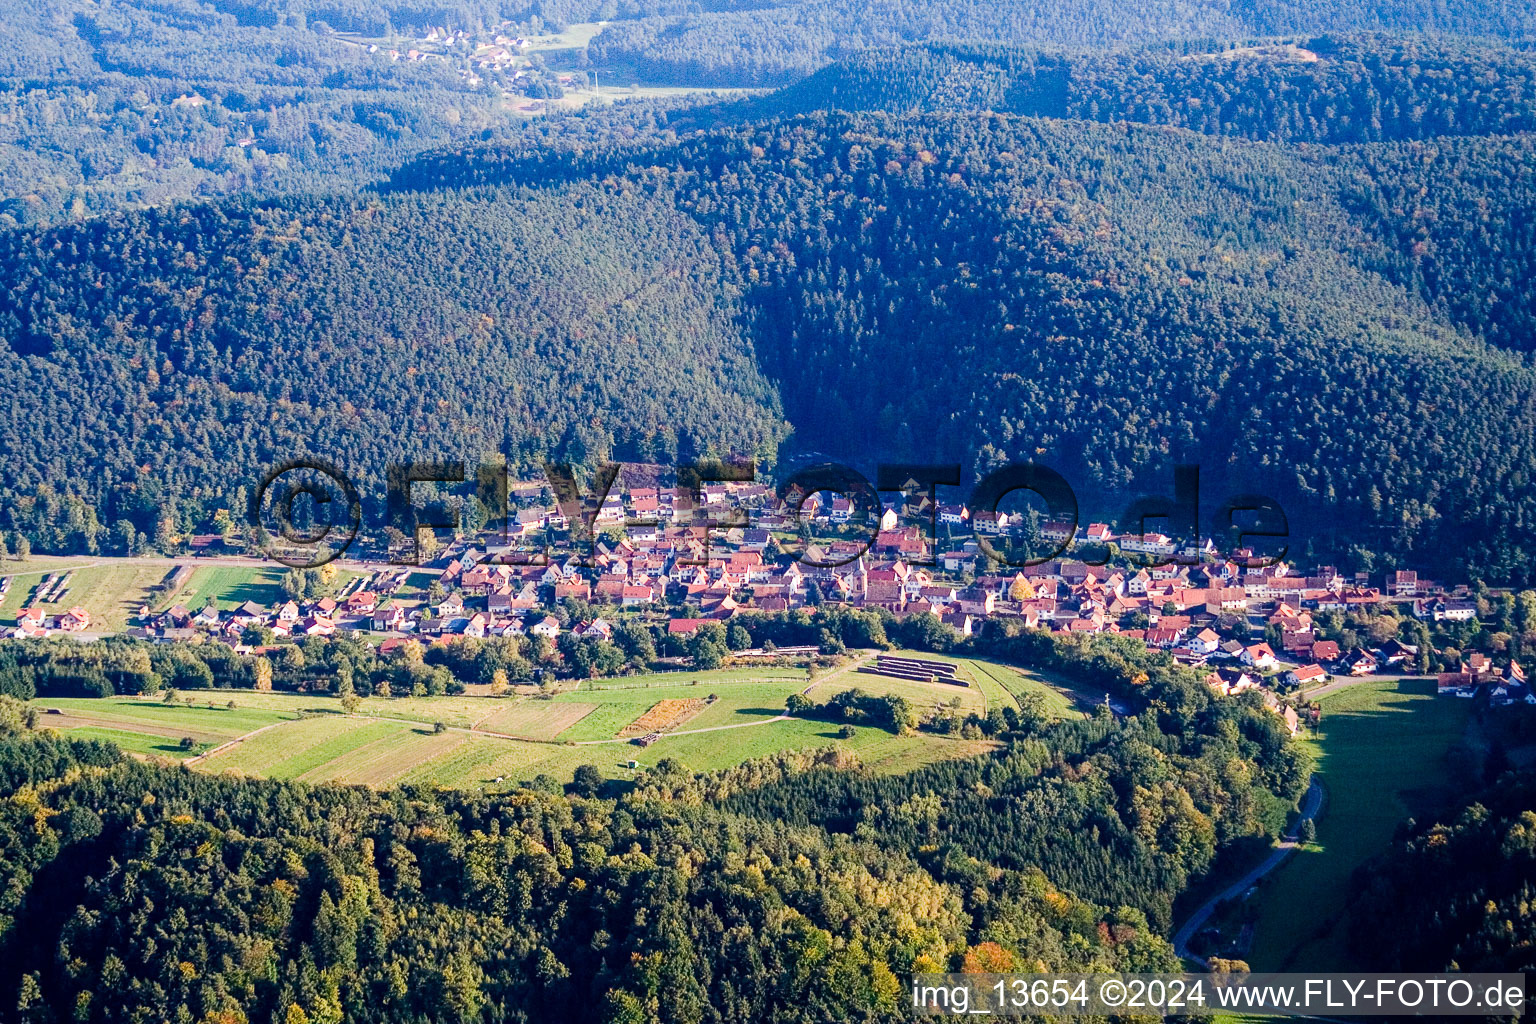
(773,44)
(1328,89)
(1329,325)
(145,892)
(159,362)
(103,106)
(139,102)
(1112,299)
(1455,895)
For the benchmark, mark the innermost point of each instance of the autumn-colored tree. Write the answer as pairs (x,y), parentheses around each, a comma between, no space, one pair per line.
(988,958)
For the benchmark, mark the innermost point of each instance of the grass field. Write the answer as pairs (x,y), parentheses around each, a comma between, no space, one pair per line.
(536,719)
(295,748)
(148,744)
(1002,685)
(738,702)
(1381,752)
(924,696)
(574,37)
(391,741)
(875,747)
(151,714)
(112,592)
(231,586)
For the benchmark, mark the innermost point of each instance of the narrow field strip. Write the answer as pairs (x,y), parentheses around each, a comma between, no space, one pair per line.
(385,759)
(295,748)
(536,719)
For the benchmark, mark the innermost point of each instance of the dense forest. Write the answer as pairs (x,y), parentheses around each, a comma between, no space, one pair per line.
(1455,895)
(146,892)
(1327,89)
(776,43)
(1342,327)
(368,330)
(106,106)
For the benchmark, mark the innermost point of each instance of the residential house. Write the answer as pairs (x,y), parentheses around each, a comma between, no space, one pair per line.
(1259,656)
(74,620)
(1306,675)
(1205,642)
(1359,663)
(1230,682)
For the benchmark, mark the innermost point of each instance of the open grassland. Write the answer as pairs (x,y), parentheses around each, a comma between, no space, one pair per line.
(146,744)
(924,696)
(231,586)
(112,592)
(153,716)
(413,592)
(737,703)
(27,574)
(488,763)
(1002,685)
(1381,753)
(461,711)
(1061,701)
(876,748)
(307,737)
(574,37)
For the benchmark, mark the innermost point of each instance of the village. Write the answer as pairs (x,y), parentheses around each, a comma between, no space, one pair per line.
(677,561)
(492,57)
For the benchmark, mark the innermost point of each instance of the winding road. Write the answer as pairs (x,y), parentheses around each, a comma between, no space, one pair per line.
(1311,803)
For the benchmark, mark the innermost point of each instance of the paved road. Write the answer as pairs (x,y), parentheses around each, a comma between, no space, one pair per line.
(1310,804)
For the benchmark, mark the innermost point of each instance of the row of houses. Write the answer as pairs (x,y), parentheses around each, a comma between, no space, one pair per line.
(35,622)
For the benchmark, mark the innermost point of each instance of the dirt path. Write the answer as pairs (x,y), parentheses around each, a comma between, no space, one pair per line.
(689,732)
(1311,803)
(863,658)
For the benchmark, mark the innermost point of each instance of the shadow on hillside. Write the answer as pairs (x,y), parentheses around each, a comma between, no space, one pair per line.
(759,712)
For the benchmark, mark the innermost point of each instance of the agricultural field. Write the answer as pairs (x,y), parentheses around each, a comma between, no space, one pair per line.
(1381,753)
(487,763)
(535,719)
(664,715)
(295,748)
(492,742)
(617,707)
(231,586)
